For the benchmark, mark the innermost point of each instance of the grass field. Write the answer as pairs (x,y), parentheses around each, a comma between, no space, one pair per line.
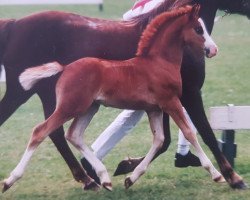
(47,176)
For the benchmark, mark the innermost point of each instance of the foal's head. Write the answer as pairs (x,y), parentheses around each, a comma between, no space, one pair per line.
(182,26)
(196,36)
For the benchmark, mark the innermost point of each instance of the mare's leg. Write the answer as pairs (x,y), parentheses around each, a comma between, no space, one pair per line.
(155,119)
(39,133)
(57,136)
(192,101)
(75,136)
(13,98)
(175,110)
(129,164)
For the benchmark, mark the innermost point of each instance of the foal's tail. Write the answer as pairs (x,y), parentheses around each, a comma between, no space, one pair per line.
(32,75)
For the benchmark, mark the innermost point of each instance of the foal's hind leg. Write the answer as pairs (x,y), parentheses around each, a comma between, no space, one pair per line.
(38,135)
(176,112)
(48,101)
(75,136)
(155,119)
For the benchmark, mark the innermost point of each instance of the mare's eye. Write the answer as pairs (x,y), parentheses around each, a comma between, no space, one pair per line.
(199,30)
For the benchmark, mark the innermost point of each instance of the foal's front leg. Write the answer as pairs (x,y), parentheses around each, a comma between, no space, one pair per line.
(156,124)
(75,137)
(175,110)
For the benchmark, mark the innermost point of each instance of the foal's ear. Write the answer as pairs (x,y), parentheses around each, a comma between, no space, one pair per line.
(195,12)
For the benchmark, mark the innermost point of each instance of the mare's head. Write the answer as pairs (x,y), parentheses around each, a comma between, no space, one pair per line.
(195,34)
(235,6)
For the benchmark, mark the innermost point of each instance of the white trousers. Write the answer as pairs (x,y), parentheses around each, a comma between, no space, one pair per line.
(183,144)
(121,126)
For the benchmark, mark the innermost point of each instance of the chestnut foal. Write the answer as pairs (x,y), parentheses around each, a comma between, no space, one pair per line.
(151,81)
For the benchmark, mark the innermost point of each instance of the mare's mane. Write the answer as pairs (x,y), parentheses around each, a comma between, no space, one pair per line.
(167,5)
(156,24)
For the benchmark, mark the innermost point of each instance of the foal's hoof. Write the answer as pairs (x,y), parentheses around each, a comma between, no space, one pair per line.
(90,171)
(219,179)
(239,185)
(5,187)
(92,186)
(107,186)
(127,165)
(128,183)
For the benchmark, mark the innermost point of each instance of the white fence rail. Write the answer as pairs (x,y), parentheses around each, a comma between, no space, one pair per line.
(26,2)
(230,117)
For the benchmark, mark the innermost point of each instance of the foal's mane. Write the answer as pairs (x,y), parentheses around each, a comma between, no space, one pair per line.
(155,25)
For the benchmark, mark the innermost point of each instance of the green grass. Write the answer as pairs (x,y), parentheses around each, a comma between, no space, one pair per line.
(47,176)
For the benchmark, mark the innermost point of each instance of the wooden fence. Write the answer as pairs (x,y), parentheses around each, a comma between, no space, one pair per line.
(228,119)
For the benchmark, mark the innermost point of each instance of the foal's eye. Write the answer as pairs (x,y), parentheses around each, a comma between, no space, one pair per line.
(199,30)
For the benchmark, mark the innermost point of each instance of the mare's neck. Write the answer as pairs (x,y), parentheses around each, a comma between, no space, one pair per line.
(208,12)
(168,43)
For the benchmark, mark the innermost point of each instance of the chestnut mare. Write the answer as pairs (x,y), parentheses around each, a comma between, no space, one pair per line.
(65,37)
(151,81)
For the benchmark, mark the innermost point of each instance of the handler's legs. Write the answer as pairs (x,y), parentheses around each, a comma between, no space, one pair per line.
(183,157)
(120,127)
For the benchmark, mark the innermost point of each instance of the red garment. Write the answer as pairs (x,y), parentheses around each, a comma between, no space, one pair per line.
(140,3)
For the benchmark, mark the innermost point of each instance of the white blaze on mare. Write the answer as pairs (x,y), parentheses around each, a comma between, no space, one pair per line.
(210,46)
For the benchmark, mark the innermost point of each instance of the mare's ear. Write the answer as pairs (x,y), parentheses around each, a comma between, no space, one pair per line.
(195,12)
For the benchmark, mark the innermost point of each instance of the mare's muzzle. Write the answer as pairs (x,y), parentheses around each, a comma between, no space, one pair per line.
(211,51)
